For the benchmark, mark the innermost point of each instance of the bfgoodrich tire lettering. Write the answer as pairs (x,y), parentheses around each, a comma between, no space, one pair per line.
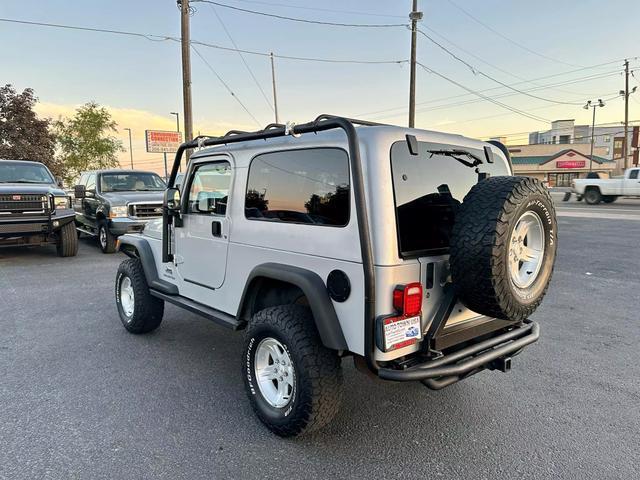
(317,388)
(146,314)
(483,238)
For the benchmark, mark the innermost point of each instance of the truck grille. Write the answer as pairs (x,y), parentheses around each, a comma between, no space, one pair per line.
(145,210)
(23,205)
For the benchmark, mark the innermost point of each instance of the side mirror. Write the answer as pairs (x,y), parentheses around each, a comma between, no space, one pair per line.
(59,182)
(172,201)
(205,203)
(79,191)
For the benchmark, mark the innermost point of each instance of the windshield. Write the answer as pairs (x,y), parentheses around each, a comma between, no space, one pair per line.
(24,173)
(131,182)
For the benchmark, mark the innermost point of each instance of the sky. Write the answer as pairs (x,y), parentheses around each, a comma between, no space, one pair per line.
(577,47)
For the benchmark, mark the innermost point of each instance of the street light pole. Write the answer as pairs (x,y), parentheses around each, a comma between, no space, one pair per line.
(177,120)
(415,16)
(593,105)
(273,81)
(130,147)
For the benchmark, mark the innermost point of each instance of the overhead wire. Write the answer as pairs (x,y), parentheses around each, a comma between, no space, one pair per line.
(303,20)
(508,39)
(244,61)
(476,71)
(328,10)
(489,99)
(226,85)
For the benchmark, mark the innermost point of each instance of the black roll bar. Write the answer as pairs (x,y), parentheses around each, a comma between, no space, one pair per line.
(320,124)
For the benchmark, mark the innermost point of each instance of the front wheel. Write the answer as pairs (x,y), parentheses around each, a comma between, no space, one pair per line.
(140,312)
(67,243)
(293,382)
(106,239)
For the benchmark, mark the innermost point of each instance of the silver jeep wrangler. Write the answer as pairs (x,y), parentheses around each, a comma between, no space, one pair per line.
(417,253)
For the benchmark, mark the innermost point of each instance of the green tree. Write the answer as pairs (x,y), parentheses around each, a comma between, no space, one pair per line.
(24,136)
(86,142)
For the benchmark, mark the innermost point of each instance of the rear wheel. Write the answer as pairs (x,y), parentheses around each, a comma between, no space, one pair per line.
(140,312)
(592,196)
(67,243)
(293,382)
(503,247)
(106,239)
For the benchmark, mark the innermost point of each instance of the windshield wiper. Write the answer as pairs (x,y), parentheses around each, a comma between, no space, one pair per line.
(22,181)
(456,154)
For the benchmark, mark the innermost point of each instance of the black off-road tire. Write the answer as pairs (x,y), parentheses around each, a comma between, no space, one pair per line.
(609,198)
(67,242)
(480,245)
(148,310)
(317,390)
(592,196)
(109,245)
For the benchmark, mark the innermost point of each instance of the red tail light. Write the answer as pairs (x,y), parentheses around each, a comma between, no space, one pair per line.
(407,299)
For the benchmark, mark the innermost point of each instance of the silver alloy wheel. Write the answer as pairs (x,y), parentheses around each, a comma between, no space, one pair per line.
(102,236)
(274,372)
(127,297)
(526,250)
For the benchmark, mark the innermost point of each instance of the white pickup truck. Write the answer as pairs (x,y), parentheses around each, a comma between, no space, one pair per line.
(596,190)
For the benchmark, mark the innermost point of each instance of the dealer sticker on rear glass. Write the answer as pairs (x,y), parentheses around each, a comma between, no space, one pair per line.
(400,332)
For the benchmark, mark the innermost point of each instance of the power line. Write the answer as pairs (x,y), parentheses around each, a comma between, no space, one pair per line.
(304,20)
(226,85)
(255,80)
(510,40)
(476,71)
(161,38)
(329,10)
(489,99)
(501,95)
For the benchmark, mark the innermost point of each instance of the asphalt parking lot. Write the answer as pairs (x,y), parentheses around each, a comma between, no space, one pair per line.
(81,398)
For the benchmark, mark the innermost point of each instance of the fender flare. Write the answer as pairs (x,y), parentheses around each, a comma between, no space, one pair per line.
(142,250)
(314,289)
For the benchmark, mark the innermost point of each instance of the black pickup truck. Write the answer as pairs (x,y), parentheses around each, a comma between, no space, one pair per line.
(110,203)
(34,210)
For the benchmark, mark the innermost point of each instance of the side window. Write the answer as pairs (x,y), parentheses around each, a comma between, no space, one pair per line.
(633,174)
(299,186)
(209,189)
(91,182)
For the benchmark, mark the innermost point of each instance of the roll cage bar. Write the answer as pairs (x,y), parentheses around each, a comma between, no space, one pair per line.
(320,124)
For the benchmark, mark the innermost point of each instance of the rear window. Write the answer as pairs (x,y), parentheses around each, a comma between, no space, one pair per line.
(428,190)
(308,186)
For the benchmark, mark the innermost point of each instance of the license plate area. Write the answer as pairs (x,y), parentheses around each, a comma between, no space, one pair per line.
(396,332)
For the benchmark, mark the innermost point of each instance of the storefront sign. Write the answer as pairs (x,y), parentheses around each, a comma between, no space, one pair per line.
(159,141)
(571,164)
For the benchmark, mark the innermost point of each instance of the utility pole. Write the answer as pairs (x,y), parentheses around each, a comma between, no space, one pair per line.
(186,70)
(625,149)
(273,80)
(130,147)
(414,16)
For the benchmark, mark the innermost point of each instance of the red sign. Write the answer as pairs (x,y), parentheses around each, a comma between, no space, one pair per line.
(571,164)
(159,141)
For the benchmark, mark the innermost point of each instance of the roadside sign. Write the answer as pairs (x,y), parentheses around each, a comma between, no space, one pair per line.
(160,141)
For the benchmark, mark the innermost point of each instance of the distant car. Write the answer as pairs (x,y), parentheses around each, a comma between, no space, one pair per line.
(110,203)
(607,190)
(34,210)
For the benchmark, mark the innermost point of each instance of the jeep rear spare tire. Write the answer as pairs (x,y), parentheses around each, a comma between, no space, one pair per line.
(503,247)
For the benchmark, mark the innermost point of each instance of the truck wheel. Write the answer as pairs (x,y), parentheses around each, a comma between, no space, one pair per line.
(592,196)
(503,247)
(106,240)
(609,198)
(293,382)
(140,312)
(67,243)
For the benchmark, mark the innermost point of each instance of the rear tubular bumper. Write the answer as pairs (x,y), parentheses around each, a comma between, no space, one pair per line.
(492,353)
